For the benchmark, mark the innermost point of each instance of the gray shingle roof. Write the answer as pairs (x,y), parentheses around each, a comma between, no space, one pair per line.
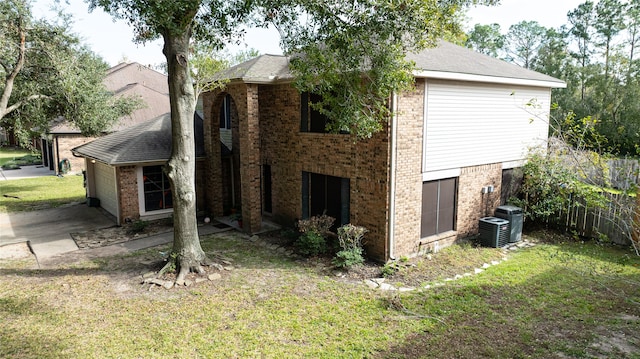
(261,69)
(451,58)
(149,141)
(444,58)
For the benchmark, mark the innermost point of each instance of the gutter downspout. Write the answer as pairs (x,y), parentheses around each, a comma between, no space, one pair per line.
(392,177)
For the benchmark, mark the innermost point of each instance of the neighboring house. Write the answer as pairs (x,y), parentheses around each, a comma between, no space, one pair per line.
(124,79)
(421,183)
(124,170)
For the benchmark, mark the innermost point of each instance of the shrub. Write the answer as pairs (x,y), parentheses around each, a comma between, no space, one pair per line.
(311,243)
(348,258)
(350,240)
(319,224)
(138,226)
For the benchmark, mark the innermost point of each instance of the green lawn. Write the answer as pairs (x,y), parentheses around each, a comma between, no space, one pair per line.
(565,300)
(10,153)
(40,193)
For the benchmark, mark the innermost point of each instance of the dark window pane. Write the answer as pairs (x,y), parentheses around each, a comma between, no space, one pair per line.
(328,195)
(317,193)
(438,206)
(318,121)
(429,208)
(447,205)
(304,112)
(333,197)
(305,195)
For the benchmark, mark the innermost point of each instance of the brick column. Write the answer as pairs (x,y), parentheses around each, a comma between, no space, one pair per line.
(249,136)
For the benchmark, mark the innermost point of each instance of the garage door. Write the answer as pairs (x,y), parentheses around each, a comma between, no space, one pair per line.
(105,179)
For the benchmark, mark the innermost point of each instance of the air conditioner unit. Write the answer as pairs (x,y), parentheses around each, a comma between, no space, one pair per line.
(494,232)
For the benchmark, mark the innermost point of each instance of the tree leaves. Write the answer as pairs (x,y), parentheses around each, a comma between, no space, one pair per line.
(59,77)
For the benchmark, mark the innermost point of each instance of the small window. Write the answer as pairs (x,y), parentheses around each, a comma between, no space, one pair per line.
(225,112)
(157,190)
(311,120)
(438,206)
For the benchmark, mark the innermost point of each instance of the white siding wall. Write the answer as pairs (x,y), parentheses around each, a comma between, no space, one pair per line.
(468,124)
(105,184)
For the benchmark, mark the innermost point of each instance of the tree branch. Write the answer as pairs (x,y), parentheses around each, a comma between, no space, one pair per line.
(19,104)
(8,88)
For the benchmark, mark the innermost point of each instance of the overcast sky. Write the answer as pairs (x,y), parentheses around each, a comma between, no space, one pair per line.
(113,40)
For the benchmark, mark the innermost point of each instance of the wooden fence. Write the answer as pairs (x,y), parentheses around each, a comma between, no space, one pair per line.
(614,221)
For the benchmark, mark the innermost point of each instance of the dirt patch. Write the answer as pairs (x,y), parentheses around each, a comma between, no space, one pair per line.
(118,234)
(15,251)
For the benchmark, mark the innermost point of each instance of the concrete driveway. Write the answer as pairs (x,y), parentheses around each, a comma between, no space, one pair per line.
(48,231)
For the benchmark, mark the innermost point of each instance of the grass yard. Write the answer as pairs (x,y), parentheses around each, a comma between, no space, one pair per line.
(40,193)
(563,300)
(10,153)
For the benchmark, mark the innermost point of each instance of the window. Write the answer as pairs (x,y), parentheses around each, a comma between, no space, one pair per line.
(438,206)
(311,120)
(157,190)
(225,112)
(322,194)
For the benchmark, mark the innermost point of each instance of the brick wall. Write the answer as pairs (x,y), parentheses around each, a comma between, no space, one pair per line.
(408,183)
(64,145)
(290,152)
(472,203)
(127,177)
(279,143)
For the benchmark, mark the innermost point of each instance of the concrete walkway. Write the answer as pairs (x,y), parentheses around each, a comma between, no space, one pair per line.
(26,172)
(48,231)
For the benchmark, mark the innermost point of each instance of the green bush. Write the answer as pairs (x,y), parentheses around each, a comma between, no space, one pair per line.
(350,240)
(348,258)
(311,243)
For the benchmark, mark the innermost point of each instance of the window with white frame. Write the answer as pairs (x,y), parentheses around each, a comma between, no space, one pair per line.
(156,189)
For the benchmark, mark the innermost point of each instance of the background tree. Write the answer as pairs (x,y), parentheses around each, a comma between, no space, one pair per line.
(340,48)
(524,40)
(486,39)
(46,73)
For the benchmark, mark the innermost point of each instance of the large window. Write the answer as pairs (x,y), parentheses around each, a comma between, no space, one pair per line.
(322,194)
(438,206)
(157,191)
(311,120)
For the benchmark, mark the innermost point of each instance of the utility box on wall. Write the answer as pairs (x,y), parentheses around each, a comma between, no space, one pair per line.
(494,232)
(515,216)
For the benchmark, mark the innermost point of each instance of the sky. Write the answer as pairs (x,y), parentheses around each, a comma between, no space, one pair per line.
(112,40)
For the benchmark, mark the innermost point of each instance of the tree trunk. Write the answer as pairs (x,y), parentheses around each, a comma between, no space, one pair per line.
(180,169)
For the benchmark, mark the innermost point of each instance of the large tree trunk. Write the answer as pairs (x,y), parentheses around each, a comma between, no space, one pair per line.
(188,253)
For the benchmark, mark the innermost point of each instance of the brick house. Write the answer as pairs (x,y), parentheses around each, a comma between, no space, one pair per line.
(421,183)
(440,164)
(124,79)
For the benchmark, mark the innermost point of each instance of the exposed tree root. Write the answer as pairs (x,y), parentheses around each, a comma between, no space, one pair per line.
(185,266)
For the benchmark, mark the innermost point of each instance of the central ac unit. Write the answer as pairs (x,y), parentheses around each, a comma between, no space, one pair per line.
(494,232)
